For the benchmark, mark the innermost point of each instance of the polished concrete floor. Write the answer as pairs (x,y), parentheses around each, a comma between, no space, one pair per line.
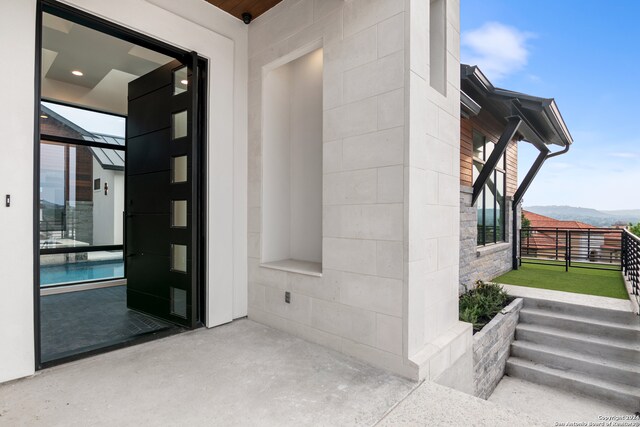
(242,373)
(77,322)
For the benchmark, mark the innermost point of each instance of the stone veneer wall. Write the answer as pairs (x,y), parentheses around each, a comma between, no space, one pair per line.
(491,349)
(481,262)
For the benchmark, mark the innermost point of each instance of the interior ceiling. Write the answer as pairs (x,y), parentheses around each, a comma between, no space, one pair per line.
(108,64)
(238,7)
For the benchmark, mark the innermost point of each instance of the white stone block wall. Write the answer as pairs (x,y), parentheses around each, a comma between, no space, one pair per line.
(435,337)
(389,280)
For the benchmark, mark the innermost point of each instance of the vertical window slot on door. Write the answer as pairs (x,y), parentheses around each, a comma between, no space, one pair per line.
(179,213)
(179,125)
(179,258)
(180,80)
(179,169)
(179,302)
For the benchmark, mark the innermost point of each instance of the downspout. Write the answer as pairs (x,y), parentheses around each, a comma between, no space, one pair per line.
(522,189)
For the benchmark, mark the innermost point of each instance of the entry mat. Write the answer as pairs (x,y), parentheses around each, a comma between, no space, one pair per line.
(77,322)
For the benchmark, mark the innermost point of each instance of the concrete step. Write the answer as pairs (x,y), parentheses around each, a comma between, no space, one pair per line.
(596,313)
(625,396)
(594,366)
(580,323)
(610,348)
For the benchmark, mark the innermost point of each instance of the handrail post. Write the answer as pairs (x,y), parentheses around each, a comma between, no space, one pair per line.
(567,245)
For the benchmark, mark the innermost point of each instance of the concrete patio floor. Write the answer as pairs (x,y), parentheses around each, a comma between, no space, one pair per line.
(551,405)
(242,373)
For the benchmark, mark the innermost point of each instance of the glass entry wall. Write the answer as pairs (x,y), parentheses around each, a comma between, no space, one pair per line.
(82,160)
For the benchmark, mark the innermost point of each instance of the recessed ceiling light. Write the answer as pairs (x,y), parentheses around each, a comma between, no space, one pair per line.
(77,73)
(44,116)
(184,82)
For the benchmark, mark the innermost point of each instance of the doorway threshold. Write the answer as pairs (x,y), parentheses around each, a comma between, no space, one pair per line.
(71,356)
(80,324)
(62,289)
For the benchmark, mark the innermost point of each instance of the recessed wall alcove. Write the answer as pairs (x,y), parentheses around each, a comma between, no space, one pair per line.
(292,164)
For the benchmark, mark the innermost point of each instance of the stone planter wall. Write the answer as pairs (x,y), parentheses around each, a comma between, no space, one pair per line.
(491,349)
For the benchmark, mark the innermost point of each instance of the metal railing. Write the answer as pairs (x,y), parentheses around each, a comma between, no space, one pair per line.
(631,261)
(597,248)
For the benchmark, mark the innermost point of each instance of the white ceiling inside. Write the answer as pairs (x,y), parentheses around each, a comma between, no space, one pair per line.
(108,64)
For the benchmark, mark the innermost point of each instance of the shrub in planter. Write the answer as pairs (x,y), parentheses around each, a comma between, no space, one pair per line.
(479,305)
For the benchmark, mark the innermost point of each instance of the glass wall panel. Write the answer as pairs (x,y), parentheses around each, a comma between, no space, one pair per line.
(500,206)
(478,145)
(480,218)
(81,196)
(489,217)
(79,123)
(477,167)
(488,149)
(61,269)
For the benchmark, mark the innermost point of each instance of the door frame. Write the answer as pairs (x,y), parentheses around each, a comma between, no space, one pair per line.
(107,27)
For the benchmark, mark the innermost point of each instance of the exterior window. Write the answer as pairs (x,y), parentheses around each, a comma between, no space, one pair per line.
(81,195)
(491,204)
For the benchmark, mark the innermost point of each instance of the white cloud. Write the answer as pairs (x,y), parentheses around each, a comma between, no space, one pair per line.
(498,49)
(625,155)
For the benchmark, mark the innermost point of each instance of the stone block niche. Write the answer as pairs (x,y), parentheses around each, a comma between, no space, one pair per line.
(292,164)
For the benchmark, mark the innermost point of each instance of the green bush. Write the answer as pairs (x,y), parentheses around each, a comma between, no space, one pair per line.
(478,306)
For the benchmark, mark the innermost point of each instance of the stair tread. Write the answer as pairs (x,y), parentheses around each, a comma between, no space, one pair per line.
(597,339)
(629,367)
(576,376)
(622,310)
(564,316)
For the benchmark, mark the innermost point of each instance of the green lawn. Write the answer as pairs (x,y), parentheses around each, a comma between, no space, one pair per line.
(577,280)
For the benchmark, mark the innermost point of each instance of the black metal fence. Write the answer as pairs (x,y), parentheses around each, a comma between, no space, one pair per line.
(599,248)
(631,261)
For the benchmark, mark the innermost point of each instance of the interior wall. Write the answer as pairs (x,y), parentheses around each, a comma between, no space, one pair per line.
(104,207)
(191,25)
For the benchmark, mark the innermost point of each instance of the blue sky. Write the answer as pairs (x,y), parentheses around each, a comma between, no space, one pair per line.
(584,54)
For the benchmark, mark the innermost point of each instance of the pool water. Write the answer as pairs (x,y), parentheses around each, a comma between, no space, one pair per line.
(81,272)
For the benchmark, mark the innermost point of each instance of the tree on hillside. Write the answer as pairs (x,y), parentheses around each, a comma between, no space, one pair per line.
(635,229)
(525,223)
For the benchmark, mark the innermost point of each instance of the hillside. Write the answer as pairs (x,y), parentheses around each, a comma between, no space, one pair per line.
(590,216)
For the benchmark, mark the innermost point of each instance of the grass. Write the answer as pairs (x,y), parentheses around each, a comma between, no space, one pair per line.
(577,280)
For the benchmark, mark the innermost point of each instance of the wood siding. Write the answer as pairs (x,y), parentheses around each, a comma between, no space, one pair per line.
(238,7)
(491,129)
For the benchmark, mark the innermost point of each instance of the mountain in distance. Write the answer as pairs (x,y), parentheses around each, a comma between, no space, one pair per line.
(594,217)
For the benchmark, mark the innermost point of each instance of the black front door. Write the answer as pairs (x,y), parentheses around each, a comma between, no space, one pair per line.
(162,184)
